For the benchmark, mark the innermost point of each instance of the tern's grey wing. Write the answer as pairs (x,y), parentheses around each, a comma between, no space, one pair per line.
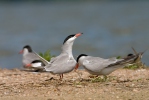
(61,64)
(96,64)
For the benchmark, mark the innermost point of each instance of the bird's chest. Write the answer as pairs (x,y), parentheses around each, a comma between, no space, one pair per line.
(71,60)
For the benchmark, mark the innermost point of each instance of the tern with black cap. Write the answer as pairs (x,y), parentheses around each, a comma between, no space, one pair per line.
(29,56)
(101,66)
(65,62)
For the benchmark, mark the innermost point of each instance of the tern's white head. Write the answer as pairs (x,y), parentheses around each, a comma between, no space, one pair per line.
(80,59)
(68,43)
(69,39)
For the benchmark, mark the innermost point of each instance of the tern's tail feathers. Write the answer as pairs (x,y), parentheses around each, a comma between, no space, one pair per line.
(134,50)
(139,56)
(42,59)
(138,53)
(128,60)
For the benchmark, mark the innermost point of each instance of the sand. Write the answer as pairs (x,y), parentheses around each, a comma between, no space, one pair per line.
(122,84)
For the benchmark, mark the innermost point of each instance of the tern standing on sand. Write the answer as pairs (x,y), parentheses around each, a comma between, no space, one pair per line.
(101,66)
(65,62)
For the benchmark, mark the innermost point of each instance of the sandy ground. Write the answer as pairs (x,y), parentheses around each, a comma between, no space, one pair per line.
(122,84)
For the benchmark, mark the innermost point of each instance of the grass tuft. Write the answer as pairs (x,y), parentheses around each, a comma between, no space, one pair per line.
(99,79)
(46,55)
(134,66)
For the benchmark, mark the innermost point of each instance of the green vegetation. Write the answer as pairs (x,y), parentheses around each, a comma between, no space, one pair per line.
(77,83)
(118,57)
(102,79)
(135,65)
(46,55)
(99,79)
(131,66)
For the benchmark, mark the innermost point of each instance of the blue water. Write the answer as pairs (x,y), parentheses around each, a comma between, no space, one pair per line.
(110,28)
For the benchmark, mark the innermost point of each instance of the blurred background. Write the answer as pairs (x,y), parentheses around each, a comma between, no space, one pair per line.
(110,28)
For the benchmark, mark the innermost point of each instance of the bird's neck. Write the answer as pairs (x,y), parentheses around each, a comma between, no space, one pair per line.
(25,52)
(67,48)
(81,60)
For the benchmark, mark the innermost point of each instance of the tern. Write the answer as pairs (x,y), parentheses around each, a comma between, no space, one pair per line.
(101,66)
(65,62)
(30,57)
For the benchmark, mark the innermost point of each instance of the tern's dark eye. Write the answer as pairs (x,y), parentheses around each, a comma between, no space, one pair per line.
(70,36)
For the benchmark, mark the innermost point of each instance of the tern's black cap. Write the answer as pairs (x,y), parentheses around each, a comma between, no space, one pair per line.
(80,56)
(28,47)
(68,37)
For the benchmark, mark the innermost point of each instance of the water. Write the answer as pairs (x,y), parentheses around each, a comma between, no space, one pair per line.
(110,28)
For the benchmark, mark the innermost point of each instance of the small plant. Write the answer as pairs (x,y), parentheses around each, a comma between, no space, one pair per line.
(135,65)
(118,57)
(77,83)
(46,55)
(99,79)
(131,66)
